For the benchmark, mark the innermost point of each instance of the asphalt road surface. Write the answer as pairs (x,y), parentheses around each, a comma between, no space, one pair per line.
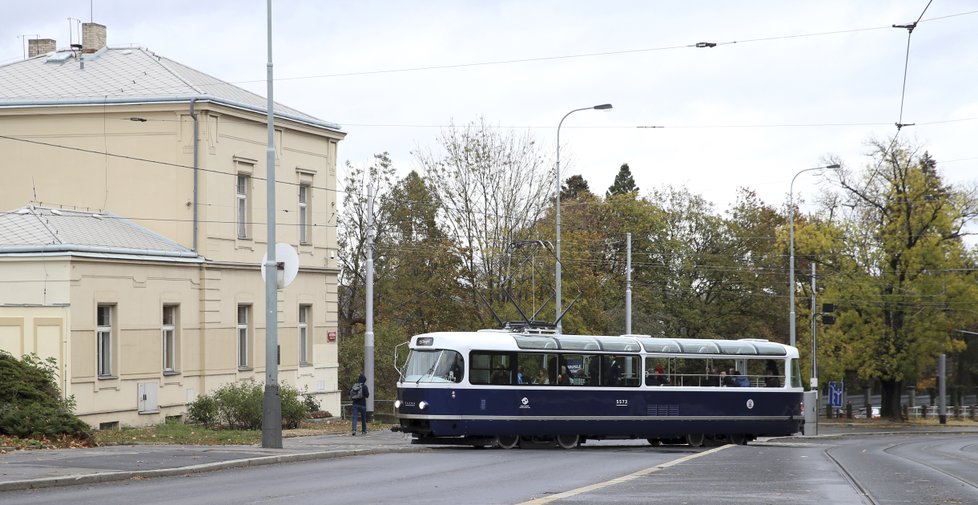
(868,469)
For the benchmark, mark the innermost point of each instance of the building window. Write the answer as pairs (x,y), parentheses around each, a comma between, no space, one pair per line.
(103,340)
(243,213)
(305,214)
(170,313)
(305,312)
(244,339)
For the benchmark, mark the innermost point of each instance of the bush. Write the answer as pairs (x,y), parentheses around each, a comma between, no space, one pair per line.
(203,411)
(294,410)
(240,405)
(311,404)
(31,403)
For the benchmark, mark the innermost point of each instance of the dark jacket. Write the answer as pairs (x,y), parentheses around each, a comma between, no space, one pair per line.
(366,392)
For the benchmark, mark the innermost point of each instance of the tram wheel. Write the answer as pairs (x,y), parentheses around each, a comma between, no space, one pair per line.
(568,441)
(654,442)
(738,439)
(507,441)
(695,440)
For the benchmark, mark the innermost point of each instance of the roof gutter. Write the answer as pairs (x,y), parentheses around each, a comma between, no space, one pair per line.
(75,248)
(145,100)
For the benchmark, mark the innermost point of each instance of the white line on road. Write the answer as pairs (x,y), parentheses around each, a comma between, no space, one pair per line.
(620,480)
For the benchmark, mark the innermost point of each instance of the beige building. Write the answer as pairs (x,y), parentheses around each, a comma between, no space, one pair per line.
(168,302)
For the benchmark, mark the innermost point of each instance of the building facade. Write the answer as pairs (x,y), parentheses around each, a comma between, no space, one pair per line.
(180,155)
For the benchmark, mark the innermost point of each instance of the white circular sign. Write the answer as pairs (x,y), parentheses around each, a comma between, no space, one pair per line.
(750,404)
(289,259)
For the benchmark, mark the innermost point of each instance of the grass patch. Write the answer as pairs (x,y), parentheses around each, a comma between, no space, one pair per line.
(178,433)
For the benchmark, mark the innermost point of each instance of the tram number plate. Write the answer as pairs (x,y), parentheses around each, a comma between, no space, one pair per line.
(621,403)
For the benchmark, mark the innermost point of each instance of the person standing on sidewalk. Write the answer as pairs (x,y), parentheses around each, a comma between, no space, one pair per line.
(359,394)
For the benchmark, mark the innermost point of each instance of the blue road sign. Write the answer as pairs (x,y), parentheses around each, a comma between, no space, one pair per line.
(835,395)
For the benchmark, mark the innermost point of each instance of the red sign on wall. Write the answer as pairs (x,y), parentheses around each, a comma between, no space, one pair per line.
(331,336)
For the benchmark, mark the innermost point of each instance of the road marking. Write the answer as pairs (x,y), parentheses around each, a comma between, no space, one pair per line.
(620,480)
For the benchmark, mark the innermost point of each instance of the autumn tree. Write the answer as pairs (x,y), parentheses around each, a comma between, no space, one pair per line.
(914,279)
(420,285)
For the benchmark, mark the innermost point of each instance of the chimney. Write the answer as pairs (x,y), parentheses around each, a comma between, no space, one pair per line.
(37,47)
(93,37)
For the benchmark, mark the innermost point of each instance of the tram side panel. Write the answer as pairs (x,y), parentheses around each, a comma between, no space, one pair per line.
(620,412)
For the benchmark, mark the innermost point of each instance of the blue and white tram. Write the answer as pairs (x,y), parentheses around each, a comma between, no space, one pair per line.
(500,387)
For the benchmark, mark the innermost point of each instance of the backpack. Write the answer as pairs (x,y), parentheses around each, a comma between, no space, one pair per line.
(356,392)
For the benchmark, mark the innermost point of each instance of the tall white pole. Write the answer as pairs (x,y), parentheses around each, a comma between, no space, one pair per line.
(814,383)
(368,337)
(271,424)
(628,286)
(791,250)
(557,215)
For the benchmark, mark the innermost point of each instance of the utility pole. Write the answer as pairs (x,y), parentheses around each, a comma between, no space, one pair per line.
(271,424)
(628,286)
(368,337)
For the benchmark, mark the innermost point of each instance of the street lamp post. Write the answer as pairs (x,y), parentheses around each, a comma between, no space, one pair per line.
(791,249)
(603,106)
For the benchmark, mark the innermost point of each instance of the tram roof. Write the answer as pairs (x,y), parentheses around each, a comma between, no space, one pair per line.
(504,340)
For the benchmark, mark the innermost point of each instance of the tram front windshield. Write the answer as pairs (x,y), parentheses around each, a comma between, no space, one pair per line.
(433,366)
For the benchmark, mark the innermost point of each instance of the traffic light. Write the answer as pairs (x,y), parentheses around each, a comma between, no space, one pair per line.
(827,313)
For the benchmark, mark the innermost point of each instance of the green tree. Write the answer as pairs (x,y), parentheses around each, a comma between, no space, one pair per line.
(914,279)
(576,188)
(419,286)
(624,182)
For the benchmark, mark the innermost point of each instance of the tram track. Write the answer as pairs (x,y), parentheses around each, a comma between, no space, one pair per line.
(968,482)
(892,450)
(851,479)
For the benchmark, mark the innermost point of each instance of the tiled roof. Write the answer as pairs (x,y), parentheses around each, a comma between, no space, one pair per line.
(123,75)
(39,229)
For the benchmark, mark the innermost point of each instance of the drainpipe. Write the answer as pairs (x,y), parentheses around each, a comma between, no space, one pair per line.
(193,115)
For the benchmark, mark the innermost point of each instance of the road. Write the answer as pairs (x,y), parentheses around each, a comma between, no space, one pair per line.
(869,469)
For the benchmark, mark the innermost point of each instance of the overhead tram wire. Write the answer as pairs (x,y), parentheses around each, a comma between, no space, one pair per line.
(906,65)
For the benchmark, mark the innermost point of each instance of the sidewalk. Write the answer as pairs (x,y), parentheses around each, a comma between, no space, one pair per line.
(34,469)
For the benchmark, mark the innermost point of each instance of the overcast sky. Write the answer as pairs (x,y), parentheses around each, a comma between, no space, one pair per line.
(787,84)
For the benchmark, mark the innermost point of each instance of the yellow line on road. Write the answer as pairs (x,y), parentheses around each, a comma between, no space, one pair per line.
(620,480)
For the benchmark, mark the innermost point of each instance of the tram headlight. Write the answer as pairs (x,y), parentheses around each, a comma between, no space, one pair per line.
(397,404)
(422,405)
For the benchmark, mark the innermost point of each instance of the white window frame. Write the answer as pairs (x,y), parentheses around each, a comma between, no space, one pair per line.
(244,336)
(305,214)
(103,340)
(242,191)
(305,317)
(169,337)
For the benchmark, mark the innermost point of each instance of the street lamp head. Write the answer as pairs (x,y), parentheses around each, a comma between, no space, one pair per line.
(602,106)
(834,166)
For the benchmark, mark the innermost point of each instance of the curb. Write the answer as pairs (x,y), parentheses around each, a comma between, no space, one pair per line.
(81,479)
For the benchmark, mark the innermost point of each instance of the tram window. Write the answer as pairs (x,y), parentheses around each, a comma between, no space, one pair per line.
(770,373)
(434,366)
(534,368)
(795,374)
(572,370)
(657,371)
(630,371)
(491,368)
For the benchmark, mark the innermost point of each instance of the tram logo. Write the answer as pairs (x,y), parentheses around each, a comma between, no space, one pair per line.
(525,403)
(621,403)
(750,403)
